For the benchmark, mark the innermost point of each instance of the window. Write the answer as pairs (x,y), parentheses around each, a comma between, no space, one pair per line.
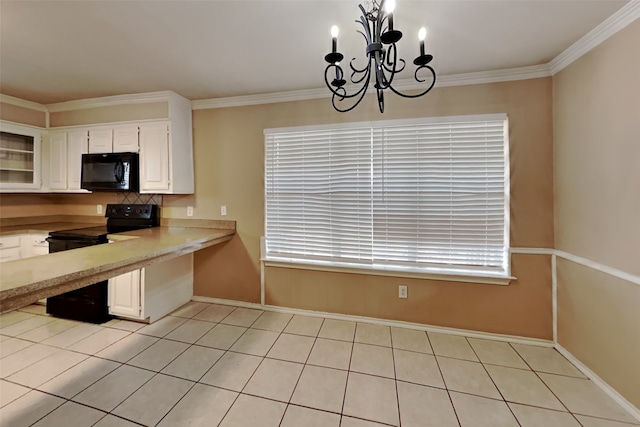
(429,195)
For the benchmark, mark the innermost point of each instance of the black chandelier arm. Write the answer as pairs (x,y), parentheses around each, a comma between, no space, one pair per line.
(365,24)
(433,73)
(381,99)
(340,91)
(362,92)
(354,71)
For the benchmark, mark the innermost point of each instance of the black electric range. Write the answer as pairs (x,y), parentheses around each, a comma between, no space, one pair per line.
(90,303)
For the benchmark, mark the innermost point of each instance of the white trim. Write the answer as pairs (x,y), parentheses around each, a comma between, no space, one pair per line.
(610,391)
(623,17)
(533,251)
(383,322)
(389,272)
(463,79)
(600,267)
(377,124)
(484,77)
(105,101)
(18,102)
(554,297)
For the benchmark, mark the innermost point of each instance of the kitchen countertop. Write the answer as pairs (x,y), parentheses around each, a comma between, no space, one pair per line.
(27,280)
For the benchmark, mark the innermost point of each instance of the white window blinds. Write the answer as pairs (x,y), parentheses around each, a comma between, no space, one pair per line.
(415,195)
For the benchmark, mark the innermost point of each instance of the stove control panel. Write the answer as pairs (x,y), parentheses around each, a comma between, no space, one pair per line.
(131,211)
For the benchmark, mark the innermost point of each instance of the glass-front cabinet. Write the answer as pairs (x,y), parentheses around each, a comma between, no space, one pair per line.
(19,157)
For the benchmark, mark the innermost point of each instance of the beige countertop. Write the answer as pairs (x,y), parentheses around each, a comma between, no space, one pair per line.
(25,281)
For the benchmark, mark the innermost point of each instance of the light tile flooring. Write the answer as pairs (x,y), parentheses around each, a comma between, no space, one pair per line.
(215,365)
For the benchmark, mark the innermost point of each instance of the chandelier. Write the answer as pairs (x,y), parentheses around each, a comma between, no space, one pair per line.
(383,63)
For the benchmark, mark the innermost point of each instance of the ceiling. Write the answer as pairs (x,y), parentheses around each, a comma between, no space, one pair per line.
(54,51)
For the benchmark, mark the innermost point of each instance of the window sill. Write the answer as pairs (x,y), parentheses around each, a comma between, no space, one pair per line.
(440,274)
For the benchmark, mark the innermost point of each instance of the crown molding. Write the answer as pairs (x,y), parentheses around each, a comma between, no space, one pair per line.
(18,102)
(482,77)
(623,17)
(134,98)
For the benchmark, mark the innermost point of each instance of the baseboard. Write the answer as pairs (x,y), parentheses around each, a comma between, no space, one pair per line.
(384,322)
(610,391)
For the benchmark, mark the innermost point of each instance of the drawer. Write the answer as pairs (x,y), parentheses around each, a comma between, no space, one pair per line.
(9,242)
(38,240)
(9,254)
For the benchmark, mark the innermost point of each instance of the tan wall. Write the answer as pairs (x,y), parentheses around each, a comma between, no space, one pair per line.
(25,116)
(599,323)
(23,205)
(110,114)
(229,167)
(596,102)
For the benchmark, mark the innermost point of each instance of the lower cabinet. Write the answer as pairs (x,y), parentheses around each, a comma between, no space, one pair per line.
(20,246)
(10,248)
(154,291)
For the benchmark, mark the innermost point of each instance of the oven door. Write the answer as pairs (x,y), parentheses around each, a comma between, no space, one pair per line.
(110,172)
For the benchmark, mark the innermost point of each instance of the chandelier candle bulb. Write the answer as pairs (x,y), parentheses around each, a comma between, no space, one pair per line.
(334,38)
(422,34)
(389,6)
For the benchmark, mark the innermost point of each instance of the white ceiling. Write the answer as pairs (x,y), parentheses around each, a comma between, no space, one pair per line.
(54,51)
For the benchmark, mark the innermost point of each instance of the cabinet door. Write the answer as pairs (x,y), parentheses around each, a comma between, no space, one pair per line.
(124,295)
(19,157)
(77,145)
(154,157)
(125,139)
(58,161)
(101,140)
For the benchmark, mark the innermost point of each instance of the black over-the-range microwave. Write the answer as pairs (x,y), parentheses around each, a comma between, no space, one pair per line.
(110,172)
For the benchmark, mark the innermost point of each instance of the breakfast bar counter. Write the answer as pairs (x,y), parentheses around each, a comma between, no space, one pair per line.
(25,281)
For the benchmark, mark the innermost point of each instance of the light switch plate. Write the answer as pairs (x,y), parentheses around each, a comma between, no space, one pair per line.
(98,209)
(223,210)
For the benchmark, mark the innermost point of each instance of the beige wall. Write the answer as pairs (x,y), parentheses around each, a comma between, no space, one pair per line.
(229,165)
(596,103)
(110,114)
(25,116)
(23,205)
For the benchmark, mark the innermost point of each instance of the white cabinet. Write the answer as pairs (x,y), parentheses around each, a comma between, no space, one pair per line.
(33,245)
(58,160)
(19,157)
(166,158)
(77,145)
(9,248)
(154,291)
(124,295)
(101,140)
(125,139)
(154,158)
(65,150)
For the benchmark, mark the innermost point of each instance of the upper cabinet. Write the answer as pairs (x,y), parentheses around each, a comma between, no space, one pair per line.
(64,151)
(101,140)
(19,157)
(156,125)
(125,139)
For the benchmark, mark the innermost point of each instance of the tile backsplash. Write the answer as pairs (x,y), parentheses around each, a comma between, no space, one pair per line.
(137,198)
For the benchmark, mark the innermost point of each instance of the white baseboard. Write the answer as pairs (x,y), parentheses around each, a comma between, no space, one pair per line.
(610,391)
(384,322)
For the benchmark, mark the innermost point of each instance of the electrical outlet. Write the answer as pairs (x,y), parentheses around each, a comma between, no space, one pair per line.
(402,291)
(189,210)
(98,209)
(223,210)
